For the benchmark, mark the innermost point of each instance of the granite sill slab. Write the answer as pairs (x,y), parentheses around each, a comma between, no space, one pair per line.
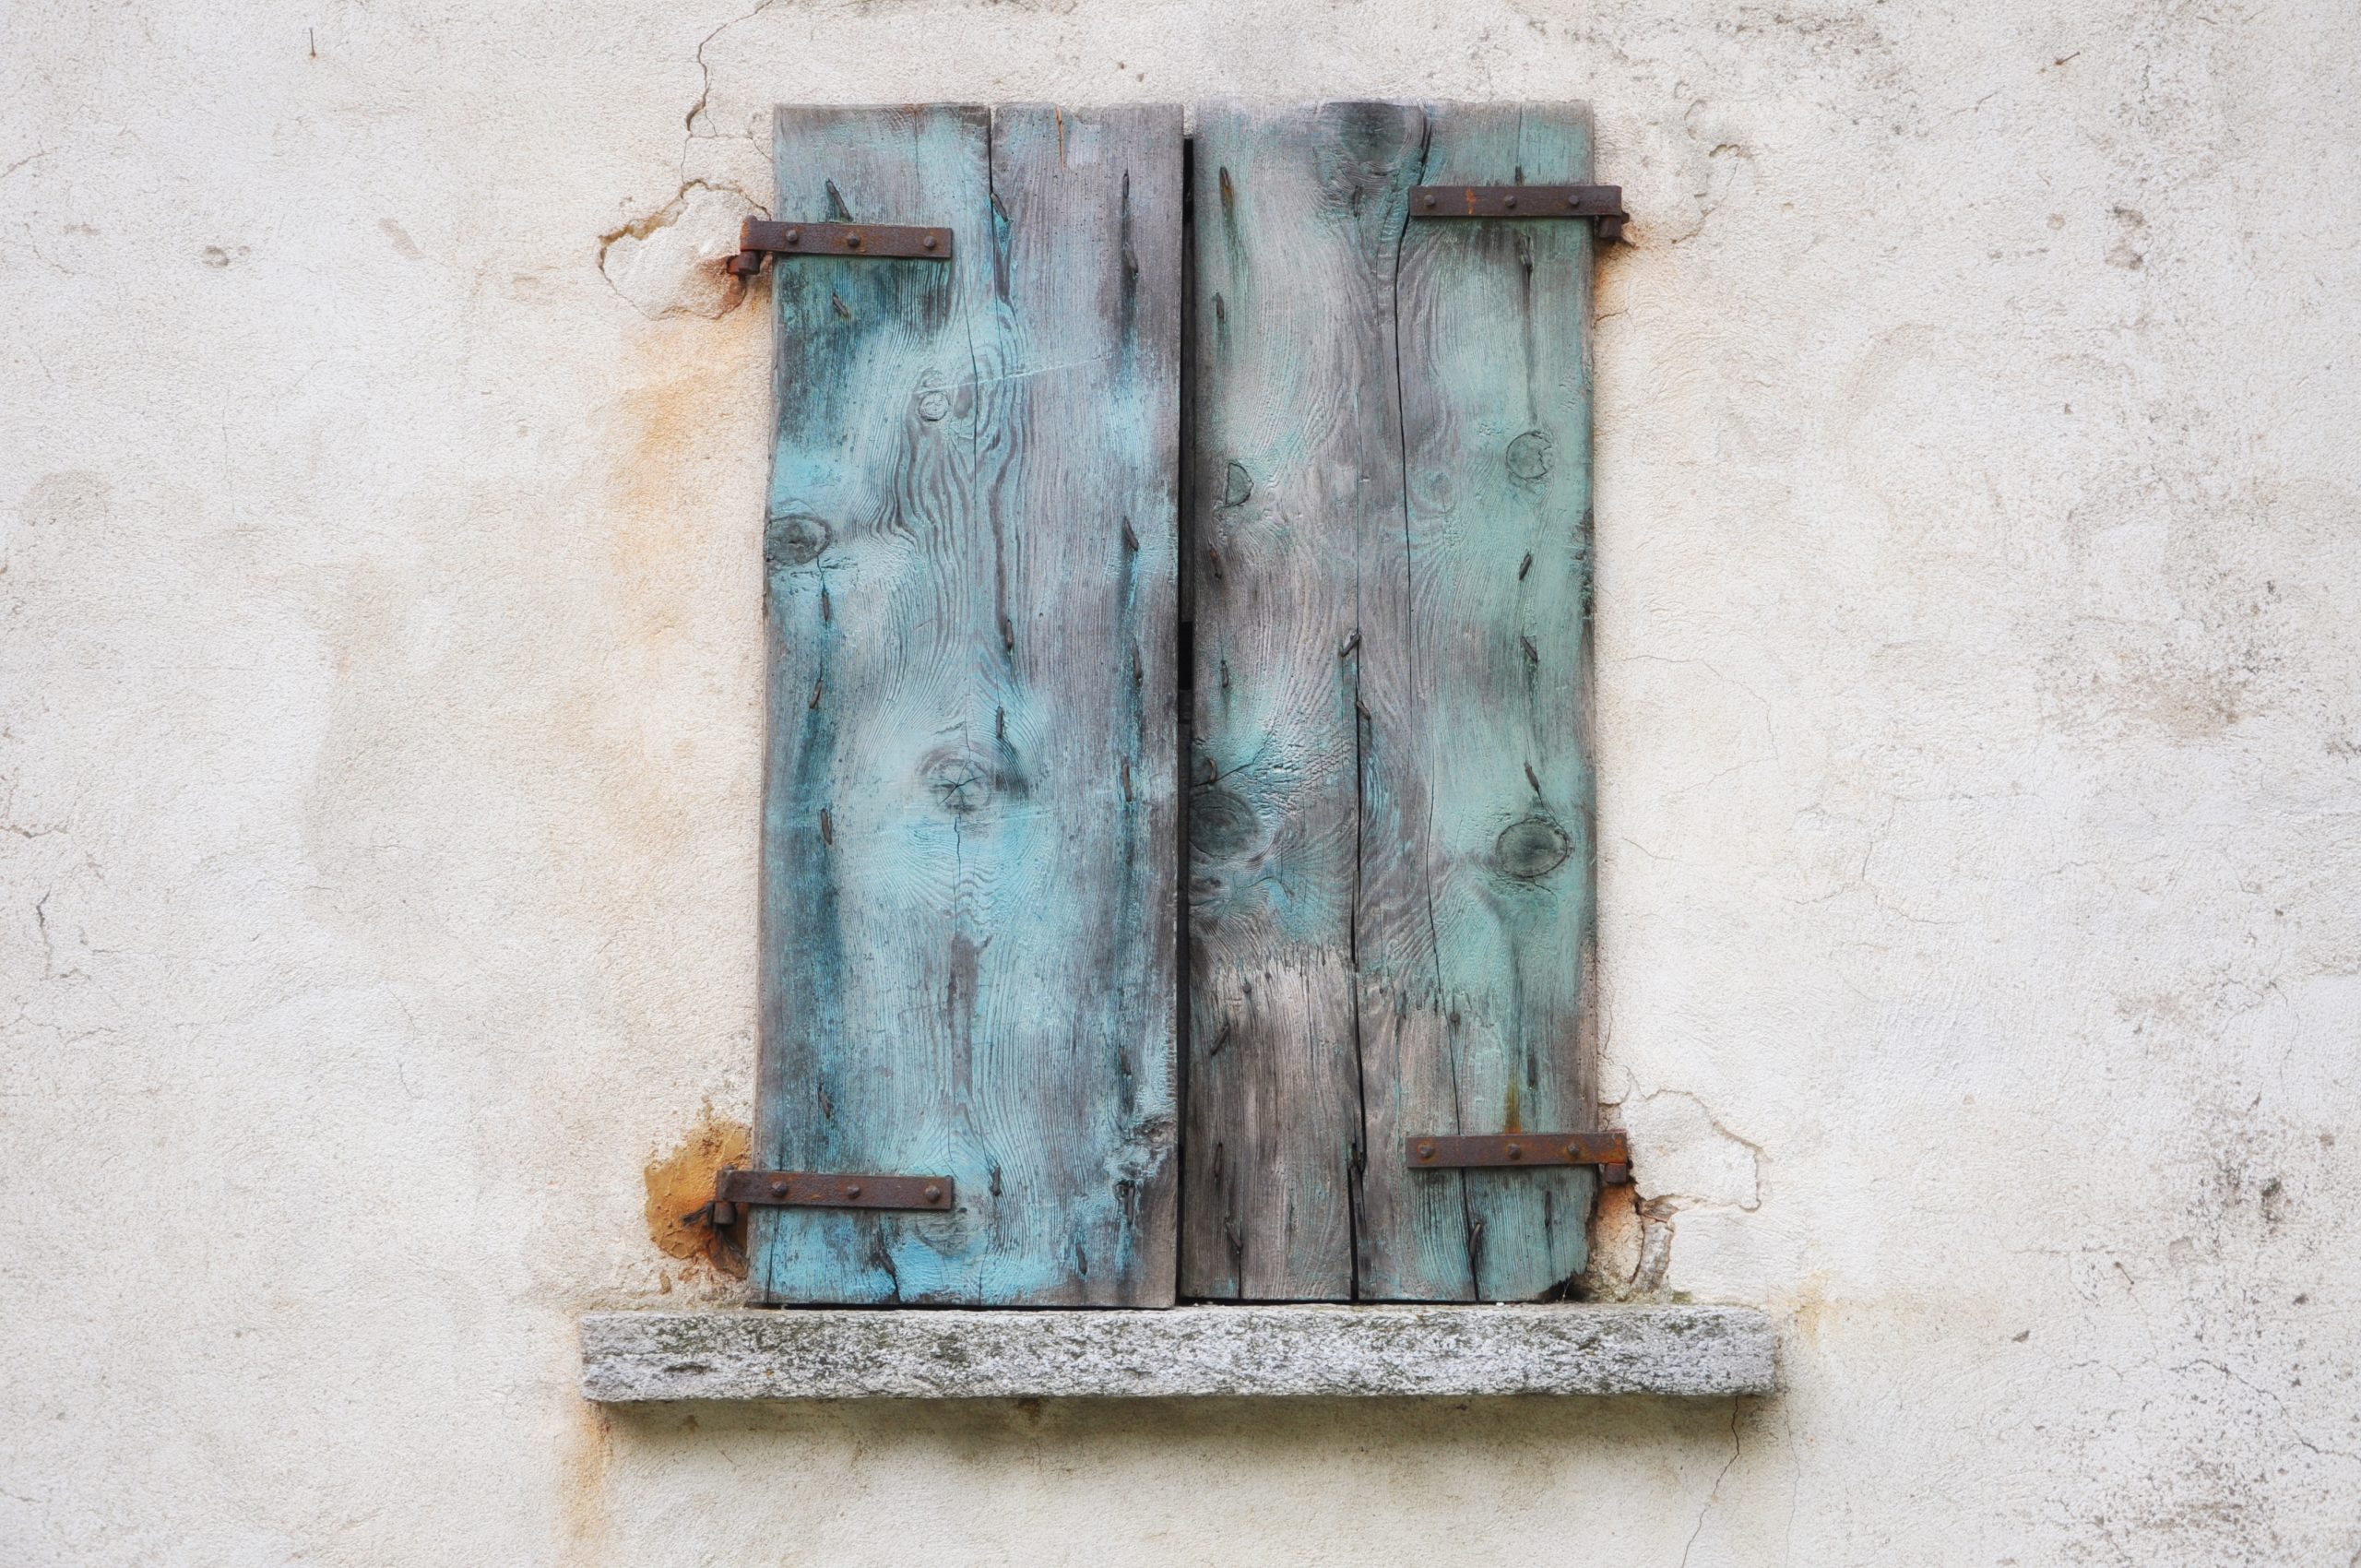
(1256,1351)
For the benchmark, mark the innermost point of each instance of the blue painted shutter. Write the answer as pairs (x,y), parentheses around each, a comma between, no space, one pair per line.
(1391,885)
(969,828)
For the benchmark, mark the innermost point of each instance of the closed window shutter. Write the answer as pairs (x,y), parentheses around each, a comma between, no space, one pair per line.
(969,821)
(1390,883)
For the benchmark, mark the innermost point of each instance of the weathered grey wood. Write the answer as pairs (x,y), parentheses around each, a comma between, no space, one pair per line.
(970,818)
(1297,459)
(1686,1352)
(1391,786)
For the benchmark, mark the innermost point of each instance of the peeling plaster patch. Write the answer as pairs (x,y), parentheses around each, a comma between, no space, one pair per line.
(1681,1156)
(1630,1247)
(1615,1248)
(671,263)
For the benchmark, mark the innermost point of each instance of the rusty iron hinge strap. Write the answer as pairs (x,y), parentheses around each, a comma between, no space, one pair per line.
(811,1189)
(1603,204)
(759,237)
(1442,1152)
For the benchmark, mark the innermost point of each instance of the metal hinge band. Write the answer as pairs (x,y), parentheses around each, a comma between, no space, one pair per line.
(1601,204)
(1608,1150)
(812,1189)
(760,237)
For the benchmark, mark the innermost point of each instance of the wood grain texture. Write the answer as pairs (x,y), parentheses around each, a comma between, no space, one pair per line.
(969,815)
(1476,915)
(1390,891)
(1297,458)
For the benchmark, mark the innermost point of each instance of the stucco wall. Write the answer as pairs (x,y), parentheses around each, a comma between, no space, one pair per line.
(1981,803)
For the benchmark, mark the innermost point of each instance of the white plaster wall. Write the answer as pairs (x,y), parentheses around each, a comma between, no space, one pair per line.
(1981,741)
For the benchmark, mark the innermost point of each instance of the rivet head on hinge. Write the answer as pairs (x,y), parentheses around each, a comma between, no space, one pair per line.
(852,1189)
(779,1188)
(795,236)
(928,241)
(1426,1151)
(852,242)
(934,1194)
(1516,1151)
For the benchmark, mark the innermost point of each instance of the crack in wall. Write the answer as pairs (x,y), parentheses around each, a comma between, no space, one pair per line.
(1737,1446)
(689,276)
(703,106)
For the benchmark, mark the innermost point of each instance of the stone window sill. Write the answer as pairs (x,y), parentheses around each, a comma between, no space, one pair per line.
(1448,1351)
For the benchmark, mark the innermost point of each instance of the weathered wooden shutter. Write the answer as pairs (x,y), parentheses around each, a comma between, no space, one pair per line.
(969,801)
(1390,792)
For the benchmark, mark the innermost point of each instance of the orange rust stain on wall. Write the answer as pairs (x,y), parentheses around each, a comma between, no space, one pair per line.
(1615,1234)
(691,454)
(649,730)
(682,505)
(680,1182)
(588,1457)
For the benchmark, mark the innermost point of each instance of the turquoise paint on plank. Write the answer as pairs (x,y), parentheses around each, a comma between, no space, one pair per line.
(1476,918)
(1392,883)
(970,818)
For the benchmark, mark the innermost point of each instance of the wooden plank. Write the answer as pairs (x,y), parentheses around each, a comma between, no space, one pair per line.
(1299,214)
(1476,921)
(969,809)
(1393,907)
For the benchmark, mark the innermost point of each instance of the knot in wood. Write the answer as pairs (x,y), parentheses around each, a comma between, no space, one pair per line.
(961,783)
(1532,848)
(1222,827)
(1530,456)
(794,539)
